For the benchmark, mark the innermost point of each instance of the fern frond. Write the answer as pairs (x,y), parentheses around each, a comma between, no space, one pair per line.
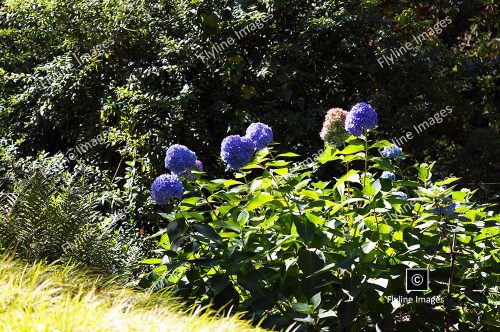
(45,218)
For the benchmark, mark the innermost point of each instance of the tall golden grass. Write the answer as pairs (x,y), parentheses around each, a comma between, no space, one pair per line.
(63,298)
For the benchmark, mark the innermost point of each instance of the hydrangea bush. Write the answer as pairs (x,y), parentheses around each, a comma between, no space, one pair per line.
(330,254)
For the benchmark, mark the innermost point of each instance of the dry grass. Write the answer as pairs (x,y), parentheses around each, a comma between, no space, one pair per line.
(43,297)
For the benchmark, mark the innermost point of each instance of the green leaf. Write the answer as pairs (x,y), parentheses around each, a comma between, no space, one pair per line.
(160,269)
(151,261)
(351,176)
(384,229)
(316,300)
(165,241)
(149,280)
(243,217)
(210,22)
(191,201)
(251,284)
(487,233)
(310,193)
(259,201)
(382,282)
(260,184)
(310,260)
(383,164)
(168,216)
(280,171)
(353,148)
(446,181)
(288,154)
(423,174)
(329,154)
(302,307)
(369,191)
(367,248)
(326,268)
(407,183)
(207,231)
(380,144)
(256,184)
(476,297)
(314,218)
(229,224)
(278,163)
(305,229)
(229,183)
(337,207)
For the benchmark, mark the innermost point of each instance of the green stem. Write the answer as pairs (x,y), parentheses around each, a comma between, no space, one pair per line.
(450,283)
(366,156)
(348,187)
(200,189)
(285,196)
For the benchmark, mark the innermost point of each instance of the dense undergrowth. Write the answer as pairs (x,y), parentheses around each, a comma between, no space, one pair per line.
(129,73)
(50,211)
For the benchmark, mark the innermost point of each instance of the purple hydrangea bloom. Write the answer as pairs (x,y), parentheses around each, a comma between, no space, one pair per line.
(400,195)
(179,159)
(446,210)
(362,116)
(388,175)
(447,199)
(237,151)
(260,134)
(165,187)
(198,165)
(391,151)
(188,174)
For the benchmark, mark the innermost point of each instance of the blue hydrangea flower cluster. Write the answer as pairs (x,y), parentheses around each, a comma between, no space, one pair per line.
(180,159)
(388,175)
(446,210)
(362,116)
(165,187)
(237,151)
(198,165)
(400,195)
(188,173)
(392,151)
(260,134)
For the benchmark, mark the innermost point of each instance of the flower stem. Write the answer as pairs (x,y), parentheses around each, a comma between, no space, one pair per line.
(366,157)
(200,190)
(450,285)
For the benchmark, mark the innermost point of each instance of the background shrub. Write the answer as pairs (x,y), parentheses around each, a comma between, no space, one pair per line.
(145,85)
(49,213)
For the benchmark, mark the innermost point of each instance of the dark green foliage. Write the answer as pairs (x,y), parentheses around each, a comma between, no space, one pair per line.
(149,86)
(49,214)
